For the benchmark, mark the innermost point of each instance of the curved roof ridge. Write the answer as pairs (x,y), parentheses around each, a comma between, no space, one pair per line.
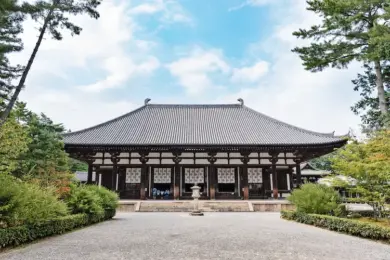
(289,125)
(106,122)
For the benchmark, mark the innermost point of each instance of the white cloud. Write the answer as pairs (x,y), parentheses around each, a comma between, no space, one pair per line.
(148,8)
(120,69)
(315,101)
(193,71)
(108,45)
(252,3)
(171,11)
(250,74)
(75,110)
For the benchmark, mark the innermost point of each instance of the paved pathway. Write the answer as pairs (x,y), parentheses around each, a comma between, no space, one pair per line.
(214,236)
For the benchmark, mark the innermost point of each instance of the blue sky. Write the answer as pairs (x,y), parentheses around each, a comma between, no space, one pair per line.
(186,51)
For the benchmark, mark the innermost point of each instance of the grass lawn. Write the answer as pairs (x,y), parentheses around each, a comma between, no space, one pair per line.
(384,222)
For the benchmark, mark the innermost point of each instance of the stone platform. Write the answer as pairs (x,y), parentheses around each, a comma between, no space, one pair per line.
(204,205)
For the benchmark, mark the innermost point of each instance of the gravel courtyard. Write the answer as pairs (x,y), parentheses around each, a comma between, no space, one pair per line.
(214,236)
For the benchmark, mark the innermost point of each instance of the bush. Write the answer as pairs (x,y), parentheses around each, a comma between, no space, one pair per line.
(81,199)
(315,198)
(97,202)
(17,235)
(26,203)
(343,225)
(109,199)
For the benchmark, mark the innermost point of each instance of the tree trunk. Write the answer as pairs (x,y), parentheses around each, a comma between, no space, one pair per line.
(23,78)
(381,90)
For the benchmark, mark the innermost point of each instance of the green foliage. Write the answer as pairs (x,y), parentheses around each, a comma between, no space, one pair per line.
(46,150)
(14,141)
(315,198)
(44,162)
(324,162)
(369,164)
(82,199)
(368,106)
(18,235)
(25,203)
(350,30)
(76,165)
(343,225)
(108,198)
(10,29)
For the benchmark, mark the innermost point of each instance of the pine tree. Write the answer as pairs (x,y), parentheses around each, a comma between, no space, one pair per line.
(11,18)
(368,106)
(53,15)
(349,31)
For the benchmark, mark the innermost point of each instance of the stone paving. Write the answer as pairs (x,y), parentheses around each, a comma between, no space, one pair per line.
(214,236)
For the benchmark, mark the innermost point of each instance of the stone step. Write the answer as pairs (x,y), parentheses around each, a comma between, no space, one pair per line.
(187,206)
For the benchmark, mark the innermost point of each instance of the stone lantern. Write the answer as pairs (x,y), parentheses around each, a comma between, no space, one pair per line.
(196,195)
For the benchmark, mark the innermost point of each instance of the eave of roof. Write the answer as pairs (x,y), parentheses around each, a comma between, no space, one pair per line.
(131,128)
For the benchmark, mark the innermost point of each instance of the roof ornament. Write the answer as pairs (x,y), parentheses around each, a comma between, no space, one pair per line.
(241,101)
(146,101)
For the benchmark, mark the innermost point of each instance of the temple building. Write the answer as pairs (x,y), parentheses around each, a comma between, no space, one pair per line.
(159,151)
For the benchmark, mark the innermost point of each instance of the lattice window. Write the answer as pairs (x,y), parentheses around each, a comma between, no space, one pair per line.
(162,175)
(133,175)
(255,175)
(226,175)
(194,175)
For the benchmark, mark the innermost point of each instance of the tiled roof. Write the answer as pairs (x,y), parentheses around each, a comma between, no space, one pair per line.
(154,124)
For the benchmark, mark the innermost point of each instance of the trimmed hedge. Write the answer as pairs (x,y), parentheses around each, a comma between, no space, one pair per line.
(343,225)
(14,236)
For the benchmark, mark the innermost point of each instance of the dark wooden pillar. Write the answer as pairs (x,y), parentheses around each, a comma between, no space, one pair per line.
(114,159)
(89,177)
(212,174)
(245,186)
(144,171)
(273,160)
(298,171)
(176,176)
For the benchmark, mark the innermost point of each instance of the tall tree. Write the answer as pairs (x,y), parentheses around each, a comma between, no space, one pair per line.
(53,15)
(348,32)
(45,152)
(14,142)
(369,164)
(368,106)
(11,18)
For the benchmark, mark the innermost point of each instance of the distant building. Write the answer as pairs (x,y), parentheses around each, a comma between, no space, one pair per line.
(83,176)
(310,173)
(231,151)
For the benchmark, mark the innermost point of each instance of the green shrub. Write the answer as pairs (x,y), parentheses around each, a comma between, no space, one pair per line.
(343,225)
(108,199)
(315,198)
(17,235)
(25,203)
(82,199)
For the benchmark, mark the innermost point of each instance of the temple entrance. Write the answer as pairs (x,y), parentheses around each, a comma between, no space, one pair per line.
(191,176)
(256,183)
(162,183)
(227,183)
(132,183)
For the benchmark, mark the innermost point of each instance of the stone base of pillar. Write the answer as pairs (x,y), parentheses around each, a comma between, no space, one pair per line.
(196,213)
